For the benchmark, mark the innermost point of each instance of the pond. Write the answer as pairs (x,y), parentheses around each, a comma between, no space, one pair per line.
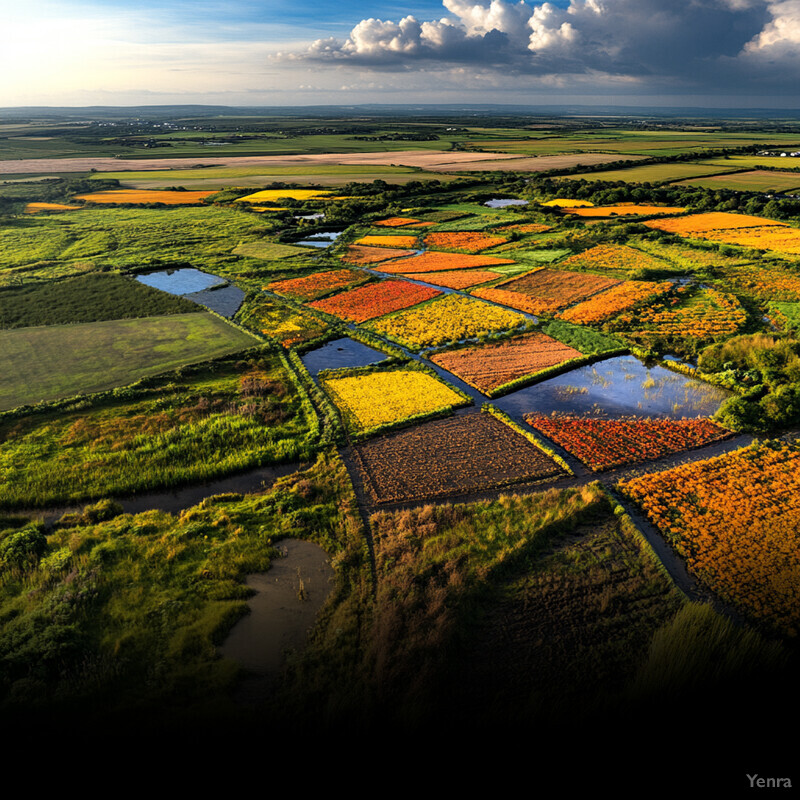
(180,281)
(225,300)
(505,202)
(321,239)
(340,353)
(283,609)
(617,387)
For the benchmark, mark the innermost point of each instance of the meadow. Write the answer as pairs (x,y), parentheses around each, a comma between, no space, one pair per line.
(57,361)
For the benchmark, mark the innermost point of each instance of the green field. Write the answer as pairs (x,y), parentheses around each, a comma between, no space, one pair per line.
(127,238)
(760,180)
(59,361)
(651,173)
(754,162)
(86,298)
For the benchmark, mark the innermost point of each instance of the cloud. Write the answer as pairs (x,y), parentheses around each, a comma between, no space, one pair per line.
(679,45)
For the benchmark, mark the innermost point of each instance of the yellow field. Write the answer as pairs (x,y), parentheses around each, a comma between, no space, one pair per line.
(270,195)
(380,398)
(565,202)
(145,196)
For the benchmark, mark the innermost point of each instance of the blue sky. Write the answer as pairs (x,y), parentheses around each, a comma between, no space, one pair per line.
(294,52)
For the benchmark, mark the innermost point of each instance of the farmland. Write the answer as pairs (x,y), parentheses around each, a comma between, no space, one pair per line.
(511,399)
(51,362)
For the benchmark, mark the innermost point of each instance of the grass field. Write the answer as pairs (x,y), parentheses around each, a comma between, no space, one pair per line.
(654,173)
(58,361)
(754,162)
(759,180)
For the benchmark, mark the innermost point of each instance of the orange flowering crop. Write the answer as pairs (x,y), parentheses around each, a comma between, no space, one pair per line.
(471,241)
(606,443)
(613,301)
(736,520)
(358,255)
(458,279)
(388,241)
(613,256)
(309,287)
(434,262)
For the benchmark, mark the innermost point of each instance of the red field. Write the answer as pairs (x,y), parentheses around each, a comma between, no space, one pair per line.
(606,443)
(309,287)
(375,300)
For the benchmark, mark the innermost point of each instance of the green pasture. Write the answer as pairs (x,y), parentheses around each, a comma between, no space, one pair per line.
(760,180)
(57,361)
(652,173)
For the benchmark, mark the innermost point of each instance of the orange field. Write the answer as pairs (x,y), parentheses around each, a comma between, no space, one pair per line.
(462,279)
(624,210)
(310,287)
(395,222)
(545,291)
(489,366)
(712,221)
(736,521)
(388,241)
(358,254)
(614,301)
(35,208)
(146,196)
(613,256)
(435,262)
(471,241)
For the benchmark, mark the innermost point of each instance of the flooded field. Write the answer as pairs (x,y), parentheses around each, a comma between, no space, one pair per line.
(225,300)
(505,202)
(340,353)
(321,239)
(618,387)
(180,281)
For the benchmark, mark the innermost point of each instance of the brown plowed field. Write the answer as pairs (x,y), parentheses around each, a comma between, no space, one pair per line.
(492,365)
(457,455)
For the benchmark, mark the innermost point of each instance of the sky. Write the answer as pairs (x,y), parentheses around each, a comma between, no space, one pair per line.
(713,53)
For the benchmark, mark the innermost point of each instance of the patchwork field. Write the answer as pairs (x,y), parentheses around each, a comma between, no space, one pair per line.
(373,400)
(435,262)
(448,319)
(618,298)
(735,519)
(613,257)
(358,255)
(466,453)
(545,291)
(375,300)
(534,163)
(469,241)
(464,279)
(58,361)
(387,240)
(310,287)
(603,444)
(491,366)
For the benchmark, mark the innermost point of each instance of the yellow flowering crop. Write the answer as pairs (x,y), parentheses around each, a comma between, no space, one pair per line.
(381,398)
